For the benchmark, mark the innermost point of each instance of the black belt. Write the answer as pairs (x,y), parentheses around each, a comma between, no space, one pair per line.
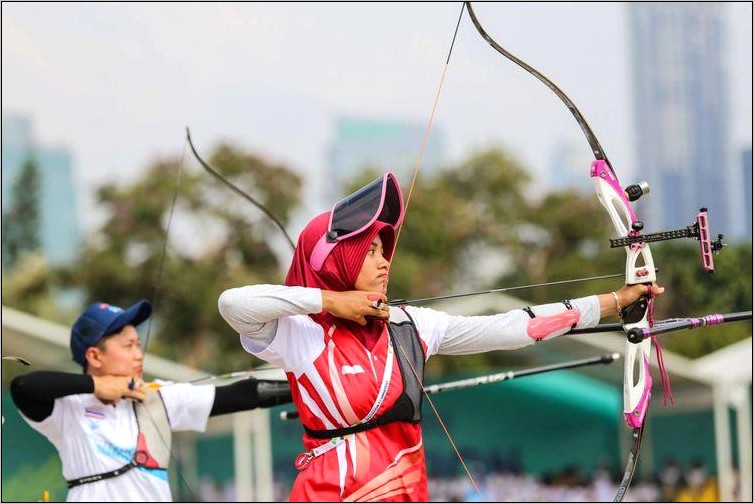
(103,476)
(140,458)
(327,434)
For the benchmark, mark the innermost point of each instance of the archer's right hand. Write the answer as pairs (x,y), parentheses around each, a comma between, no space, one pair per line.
(111,389)
(356,305)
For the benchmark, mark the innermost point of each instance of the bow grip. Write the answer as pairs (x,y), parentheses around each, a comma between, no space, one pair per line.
(634,312)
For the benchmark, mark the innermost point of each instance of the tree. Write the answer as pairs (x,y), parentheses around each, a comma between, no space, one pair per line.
(21,221)
(453,214)
(693,291)
(216,241)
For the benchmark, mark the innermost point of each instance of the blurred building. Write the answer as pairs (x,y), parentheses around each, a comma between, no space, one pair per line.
(361,143)
(681,113)
(60,233)
(746,168)
(568,169)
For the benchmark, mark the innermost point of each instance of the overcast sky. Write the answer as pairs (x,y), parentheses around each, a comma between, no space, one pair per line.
(118,83)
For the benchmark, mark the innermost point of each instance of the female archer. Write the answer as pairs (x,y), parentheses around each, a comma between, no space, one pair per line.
(355,365)
(113,432)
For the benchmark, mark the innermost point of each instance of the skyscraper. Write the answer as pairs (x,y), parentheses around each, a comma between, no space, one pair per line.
(566,169)
(388,145)
(746,168)
(681,113)
(59,231)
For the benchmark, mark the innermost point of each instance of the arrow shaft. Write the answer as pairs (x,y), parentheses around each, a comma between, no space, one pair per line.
(669,325)
(509,375)
(499,377)
(636,334)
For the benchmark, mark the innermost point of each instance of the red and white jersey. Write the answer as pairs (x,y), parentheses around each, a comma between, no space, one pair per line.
(336,382)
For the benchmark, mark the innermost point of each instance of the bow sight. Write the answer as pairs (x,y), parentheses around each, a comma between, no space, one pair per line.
(698,229)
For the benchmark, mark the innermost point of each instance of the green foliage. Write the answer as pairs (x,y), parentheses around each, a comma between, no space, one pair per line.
(33,286)
(449,213)
(29,483)
(693,291)
(21,220)
(564,239)
(217,240)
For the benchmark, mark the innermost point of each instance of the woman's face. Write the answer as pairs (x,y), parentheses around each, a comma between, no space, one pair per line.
(373,275)
(121,355)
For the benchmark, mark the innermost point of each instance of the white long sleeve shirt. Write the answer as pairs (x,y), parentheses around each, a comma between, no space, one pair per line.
(255,312)
(338,382)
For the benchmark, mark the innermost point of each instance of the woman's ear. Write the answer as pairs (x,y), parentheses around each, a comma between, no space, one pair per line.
(92,356)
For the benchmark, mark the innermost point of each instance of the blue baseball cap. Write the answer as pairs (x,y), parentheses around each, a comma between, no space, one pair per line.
(102,319)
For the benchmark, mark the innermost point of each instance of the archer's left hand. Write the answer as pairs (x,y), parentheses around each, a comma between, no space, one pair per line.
(630,293)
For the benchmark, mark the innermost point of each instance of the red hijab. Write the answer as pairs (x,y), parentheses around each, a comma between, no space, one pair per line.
(340,270)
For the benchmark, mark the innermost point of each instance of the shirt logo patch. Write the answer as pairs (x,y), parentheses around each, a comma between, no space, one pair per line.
(94,412)
(356,369)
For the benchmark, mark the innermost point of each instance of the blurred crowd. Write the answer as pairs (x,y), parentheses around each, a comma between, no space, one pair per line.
(672,483)
(507,483)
